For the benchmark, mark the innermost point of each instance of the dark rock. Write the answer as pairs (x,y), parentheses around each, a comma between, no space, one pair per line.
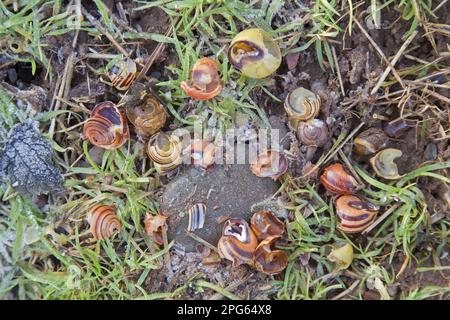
(26,161)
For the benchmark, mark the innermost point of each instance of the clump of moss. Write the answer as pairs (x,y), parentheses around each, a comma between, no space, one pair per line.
(26,161)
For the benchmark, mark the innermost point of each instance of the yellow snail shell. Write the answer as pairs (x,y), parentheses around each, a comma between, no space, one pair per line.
(301,105)
(165,151)
(383,163)
(254,53)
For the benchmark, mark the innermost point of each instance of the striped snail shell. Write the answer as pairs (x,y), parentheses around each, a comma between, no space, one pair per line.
(122,74)
(337,180)
(165,151)
(369,141)
(107,127)
(268,260)
(383,163)
(238,242)
(103,221)
(196,216)
(148,117)
(355,214)
(154,225)
(301,105)
(270,163)
(313,132)
(205,82)
(202,153)
(265,224)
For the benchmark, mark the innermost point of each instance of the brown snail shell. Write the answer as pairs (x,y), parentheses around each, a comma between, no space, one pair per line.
(202,153)
(165,151)
(301,105)
(154,225)
(122,74)
(383,163)
(205,83)
(265,224)
(196,216)
(238,242)
(369,142)
(103,221)
(270,163)
(268,260)
(355,214)
(313,132)
(397,128)
(147,117)
(107,127)
(336,179)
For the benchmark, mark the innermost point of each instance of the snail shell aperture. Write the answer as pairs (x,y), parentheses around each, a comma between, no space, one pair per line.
(254,53)
(383,163)
(107,127)
(238,242)
(205,83)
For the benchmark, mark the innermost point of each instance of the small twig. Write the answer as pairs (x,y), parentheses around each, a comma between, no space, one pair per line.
(105,32)
(166,246)
(345,141)
(159,48)
(393,62)
(350,167)
(347,291)
(230,288)
(380,52)
(338,70)
(202,241)
(381,218)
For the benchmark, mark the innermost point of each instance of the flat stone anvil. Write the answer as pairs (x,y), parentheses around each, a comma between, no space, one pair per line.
(226,191)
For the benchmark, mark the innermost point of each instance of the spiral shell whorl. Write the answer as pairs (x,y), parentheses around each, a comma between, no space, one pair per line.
(103,221)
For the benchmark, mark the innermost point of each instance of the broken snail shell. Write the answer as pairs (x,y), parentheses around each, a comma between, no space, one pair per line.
(369,142)
(103,221)
(107,127)
(342,256)
(254,53)
(265,224)
(397,128)
(383,163)
(165,151)
(301,105)
(238,242)
(147,117)
(268,260)
(122,74)
(336,179)
(313,132)
(355,214)
(205,81)
(270,163)
(202,153)
(196,216)
(154,225)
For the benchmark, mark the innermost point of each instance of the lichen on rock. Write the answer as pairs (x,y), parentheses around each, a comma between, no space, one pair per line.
(26,161)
